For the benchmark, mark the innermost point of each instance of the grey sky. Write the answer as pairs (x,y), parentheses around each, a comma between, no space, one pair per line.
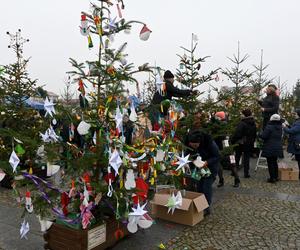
(52,26)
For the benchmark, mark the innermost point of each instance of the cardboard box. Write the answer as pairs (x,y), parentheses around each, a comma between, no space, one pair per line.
(288,174)
(190,213)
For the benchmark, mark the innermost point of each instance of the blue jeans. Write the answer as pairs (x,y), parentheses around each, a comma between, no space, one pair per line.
(205,186)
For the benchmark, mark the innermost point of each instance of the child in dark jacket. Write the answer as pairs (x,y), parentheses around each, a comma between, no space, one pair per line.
(272,146)
(244,135)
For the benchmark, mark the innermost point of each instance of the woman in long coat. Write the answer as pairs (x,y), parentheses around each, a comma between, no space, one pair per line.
(272,146)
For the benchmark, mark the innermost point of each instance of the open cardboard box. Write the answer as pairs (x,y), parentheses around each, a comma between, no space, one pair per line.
(190,213)
(288,174)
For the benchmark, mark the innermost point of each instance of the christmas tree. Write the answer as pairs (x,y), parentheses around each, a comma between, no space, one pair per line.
(19,123)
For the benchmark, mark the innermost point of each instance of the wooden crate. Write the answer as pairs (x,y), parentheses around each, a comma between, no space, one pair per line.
(60,237)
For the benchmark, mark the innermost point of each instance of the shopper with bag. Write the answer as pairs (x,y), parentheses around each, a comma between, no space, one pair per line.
(294,138)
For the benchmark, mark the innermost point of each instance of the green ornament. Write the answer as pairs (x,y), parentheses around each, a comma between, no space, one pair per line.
(19,150)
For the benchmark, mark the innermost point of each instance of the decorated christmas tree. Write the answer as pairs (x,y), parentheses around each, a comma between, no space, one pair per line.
(19,123)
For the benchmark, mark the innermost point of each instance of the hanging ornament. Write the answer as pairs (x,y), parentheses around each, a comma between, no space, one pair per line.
(133,116)
(45,224)
(24,229)
(111,71)
(159,84)
(130,180)
(83,128)
(90,42)
(145,33)
(14,161)
(28,203)
(19,149)
(97,22)
(119,11)
(174,202)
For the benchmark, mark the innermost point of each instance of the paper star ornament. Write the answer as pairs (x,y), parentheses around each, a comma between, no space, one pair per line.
(138,218)
(115,161)
(49,107)
(24,229)
(182,161)
(14,160)
(111,25)
(174,202)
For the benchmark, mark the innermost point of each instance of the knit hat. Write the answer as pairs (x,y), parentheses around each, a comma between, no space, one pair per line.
(168,74)
(247,112)
(221,115)
(275,117)
(272,86)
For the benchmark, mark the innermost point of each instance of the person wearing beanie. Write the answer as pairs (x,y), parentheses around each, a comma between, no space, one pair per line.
(294,137)
(270,104)
(244,136)
(170,91)
(272,145)
(201,144)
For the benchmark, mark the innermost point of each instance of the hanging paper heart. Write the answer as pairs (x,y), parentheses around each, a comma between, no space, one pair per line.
(132,227)
(144,223)
(145,33)
(19,149)
(83,128)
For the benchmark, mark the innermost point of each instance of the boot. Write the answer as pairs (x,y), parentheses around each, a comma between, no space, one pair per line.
(236,182)
(221,182)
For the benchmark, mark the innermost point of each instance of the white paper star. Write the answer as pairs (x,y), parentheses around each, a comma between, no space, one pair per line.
(49,107)
(50,135)
(139,211)
(174,202)
(14,160)
(24,229)
(119,119)
(115,161)
(112,24)
(182,161)
(138,217)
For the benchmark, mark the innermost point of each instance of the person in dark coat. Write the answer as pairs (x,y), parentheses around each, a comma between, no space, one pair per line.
(201,144)
(272,145)
(294,138)
(217,127)
(170,92)
(270,104)
(244,135)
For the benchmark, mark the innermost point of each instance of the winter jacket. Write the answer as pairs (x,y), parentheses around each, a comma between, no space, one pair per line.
(294,137)
(245,133)
(171,91)
(208,150)
(270,104)
(272,137)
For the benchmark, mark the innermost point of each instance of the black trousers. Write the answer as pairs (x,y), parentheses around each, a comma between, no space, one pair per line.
(239,152)
(273,167)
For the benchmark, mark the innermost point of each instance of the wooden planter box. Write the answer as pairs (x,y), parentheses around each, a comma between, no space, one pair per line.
(60,237)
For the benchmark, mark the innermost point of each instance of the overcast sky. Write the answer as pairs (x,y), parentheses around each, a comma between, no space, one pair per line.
(52,27)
